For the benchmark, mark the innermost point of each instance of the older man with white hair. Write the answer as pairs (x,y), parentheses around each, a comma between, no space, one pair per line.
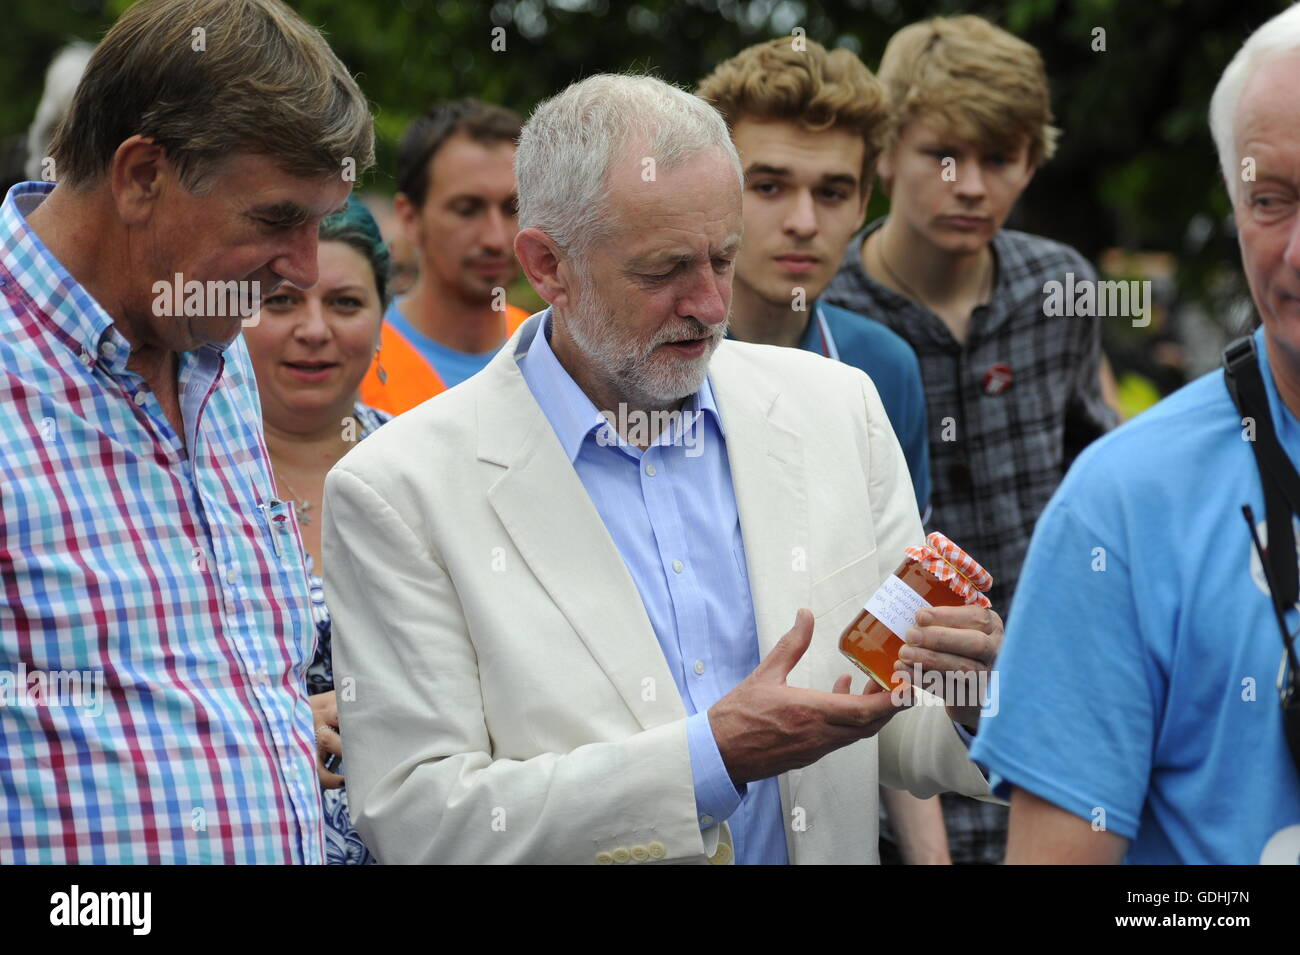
(1140,718)
(554,583)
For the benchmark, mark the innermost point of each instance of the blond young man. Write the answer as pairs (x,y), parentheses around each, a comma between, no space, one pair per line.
(807,124)
(1013,395)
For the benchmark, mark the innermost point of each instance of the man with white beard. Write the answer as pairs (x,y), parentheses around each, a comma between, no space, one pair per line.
(552,606)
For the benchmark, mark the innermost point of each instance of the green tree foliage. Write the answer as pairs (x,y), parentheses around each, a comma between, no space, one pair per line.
(1136,166)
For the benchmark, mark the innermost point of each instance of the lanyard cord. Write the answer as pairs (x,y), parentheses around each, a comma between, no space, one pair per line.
(828,342)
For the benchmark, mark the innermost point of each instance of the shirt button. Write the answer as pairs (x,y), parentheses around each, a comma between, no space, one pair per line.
(621,855)
(141,397)
(107,348)
(86,359)
(650,470)
(677,566)
(706,820)
(657,850)
(699,667)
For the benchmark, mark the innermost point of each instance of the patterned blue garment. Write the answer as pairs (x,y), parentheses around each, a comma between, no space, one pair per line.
(342,844)
(158,579)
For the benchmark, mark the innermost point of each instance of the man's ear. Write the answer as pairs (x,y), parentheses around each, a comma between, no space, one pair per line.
(136,175)
(1029,177)
(408,219)
(885,170)
(546,266)
(866,199)
(1024,184)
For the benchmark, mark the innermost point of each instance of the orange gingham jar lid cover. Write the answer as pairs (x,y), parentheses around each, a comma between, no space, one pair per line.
(949,563)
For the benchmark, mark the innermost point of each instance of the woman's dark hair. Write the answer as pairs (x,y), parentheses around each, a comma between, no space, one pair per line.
(357,227)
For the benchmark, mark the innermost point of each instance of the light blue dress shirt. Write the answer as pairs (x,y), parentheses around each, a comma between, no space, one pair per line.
(671,511)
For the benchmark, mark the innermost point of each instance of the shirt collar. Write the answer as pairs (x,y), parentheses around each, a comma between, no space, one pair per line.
(569,410)
(78,319)
(812,335)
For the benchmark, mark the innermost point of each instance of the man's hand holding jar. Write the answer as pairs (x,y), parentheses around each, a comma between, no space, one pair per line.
(764,727)
(929,624)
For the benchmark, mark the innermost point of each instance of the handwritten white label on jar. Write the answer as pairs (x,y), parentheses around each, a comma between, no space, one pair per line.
(895,605)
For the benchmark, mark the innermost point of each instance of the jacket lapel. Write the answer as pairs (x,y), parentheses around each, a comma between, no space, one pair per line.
(546,510)
(768,474)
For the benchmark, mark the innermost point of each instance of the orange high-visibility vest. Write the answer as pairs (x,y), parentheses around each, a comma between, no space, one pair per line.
(411,379)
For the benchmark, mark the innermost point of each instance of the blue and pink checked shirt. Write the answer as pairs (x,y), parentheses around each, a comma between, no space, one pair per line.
(165,570)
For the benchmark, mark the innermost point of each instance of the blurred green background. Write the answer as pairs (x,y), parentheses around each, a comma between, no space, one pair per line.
(1136,171)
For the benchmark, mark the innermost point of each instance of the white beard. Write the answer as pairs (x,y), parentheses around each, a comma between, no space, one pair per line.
(630,367)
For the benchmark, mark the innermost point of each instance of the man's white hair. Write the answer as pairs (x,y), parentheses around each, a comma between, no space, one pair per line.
(1278,37)
(61,81)
(571,141)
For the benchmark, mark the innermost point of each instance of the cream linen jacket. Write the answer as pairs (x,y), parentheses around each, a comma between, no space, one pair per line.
(501,692)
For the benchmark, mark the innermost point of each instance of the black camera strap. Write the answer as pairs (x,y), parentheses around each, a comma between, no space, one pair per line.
(1281,487)
(1278,476)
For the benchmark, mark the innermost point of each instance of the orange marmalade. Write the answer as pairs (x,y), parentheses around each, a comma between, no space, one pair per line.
(936,574)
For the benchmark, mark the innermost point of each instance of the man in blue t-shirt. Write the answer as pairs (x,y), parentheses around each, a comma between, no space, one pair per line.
(1137,716)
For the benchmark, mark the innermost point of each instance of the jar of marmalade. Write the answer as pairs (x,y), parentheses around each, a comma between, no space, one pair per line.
(938,573)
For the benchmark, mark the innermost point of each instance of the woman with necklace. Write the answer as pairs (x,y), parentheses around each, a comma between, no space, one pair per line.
(310,351)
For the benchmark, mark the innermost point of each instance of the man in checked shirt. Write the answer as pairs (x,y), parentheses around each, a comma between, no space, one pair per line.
(143,551)
(1013,395)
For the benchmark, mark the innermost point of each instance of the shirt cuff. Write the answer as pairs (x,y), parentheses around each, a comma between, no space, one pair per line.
(715,796)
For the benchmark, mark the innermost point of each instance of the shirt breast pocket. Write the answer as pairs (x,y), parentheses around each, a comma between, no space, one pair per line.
(278,532)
